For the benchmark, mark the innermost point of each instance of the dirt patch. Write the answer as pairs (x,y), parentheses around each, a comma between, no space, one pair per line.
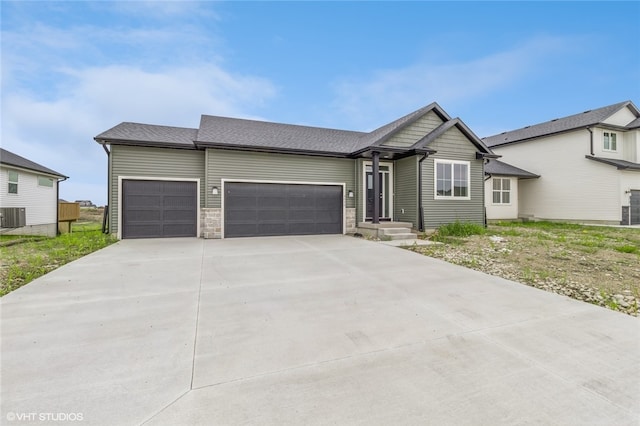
(599,265)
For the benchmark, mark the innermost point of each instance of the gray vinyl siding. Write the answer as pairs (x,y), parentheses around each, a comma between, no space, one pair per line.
(453,145)
(152,162)
(406,190)
(258,166)
(415,131)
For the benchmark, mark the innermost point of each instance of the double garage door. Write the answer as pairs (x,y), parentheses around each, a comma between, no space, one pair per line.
(157,209)
(263,209)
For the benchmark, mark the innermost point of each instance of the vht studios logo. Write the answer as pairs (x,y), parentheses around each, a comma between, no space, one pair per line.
(45,417)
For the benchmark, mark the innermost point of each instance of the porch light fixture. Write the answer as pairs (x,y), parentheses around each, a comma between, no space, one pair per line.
(214,191)
(350,194)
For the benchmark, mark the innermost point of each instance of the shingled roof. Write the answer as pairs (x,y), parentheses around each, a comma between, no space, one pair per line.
(235,133)
(498,168)
(11,159)
(149,135)
(572,122)
(620,164)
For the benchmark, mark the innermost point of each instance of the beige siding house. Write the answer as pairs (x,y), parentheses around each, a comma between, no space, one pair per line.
(234,177)
(588,166)
(28,196)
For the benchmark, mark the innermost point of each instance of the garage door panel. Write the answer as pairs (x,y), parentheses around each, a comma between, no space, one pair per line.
(302,215)
(156,209)
(271,215)
(143,201)
(272,229)
(282,209)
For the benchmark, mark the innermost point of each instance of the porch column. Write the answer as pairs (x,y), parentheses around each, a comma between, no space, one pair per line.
(375,171)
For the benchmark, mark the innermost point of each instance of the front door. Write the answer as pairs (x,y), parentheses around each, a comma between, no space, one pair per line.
(384,199)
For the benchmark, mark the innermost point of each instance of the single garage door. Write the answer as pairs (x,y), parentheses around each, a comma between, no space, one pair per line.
(157,209)
(634,206)
(262,209)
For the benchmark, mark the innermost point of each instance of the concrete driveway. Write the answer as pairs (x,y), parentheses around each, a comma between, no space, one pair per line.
(307,330)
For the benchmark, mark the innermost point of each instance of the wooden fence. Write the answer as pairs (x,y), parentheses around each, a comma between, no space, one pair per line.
(67,213)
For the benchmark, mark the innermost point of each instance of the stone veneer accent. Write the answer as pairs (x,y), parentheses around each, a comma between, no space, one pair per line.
(210,225)
(351,220)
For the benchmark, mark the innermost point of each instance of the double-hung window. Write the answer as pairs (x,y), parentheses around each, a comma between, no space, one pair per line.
(452,179)
(501,191)
(609,141)
(13,182)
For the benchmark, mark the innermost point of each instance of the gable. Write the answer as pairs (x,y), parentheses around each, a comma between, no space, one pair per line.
(621,118)
(455,145)
(415,131)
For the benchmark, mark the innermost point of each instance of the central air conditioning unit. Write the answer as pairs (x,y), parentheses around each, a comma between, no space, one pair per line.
(13,217)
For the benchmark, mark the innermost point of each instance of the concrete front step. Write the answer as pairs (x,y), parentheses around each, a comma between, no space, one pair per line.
(403,236)
(389,231)
(396,234)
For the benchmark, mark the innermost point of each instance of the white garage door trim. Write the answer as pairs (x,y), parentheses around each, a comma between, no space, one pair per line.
(165,179)
(284,182)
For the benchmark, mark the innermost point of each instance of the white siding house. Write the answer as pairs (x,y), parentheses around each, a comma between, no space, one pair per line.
(501,188)
(588,165)
(29,186)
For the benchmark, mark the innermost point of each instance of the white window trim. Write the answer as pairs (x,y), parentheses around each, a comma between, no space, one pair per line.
(610,133)
(10,182)
(502,191)
(45,177)
(435,179)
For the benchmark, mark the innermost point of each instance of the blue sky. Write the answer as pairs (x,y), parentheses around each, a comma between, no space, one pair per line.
(71,70)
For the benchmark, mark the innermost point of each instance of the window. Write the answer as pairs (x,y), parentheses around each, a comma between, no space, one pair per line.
(45,181)
(610,141)
(452,179)
(13,182)
(501,191)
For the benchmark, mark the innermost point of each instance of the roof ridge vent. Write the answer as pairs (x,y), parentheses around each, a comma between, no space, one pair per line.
(526,127)
(555,119)
(587,111)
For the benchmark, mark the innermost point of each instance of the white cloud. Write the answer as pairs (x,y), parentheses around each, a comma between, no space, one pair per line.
(389,93)
(58,133)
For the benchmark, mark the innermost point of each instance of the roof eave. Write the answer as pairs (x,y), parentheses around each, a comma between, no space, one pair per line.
(51,173)
(632,166)
(149,144)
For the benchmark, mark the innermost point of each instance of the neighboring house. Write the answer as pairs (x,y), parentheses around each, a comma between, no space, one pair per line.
(588,163)
(85,203)
(235,177)
(28,196)
(501,189)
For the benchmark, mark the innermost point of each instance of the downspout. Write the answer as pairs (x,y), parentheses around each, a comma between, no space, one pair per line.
(591,141)
(420,208)
(105,222)
(58,204)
